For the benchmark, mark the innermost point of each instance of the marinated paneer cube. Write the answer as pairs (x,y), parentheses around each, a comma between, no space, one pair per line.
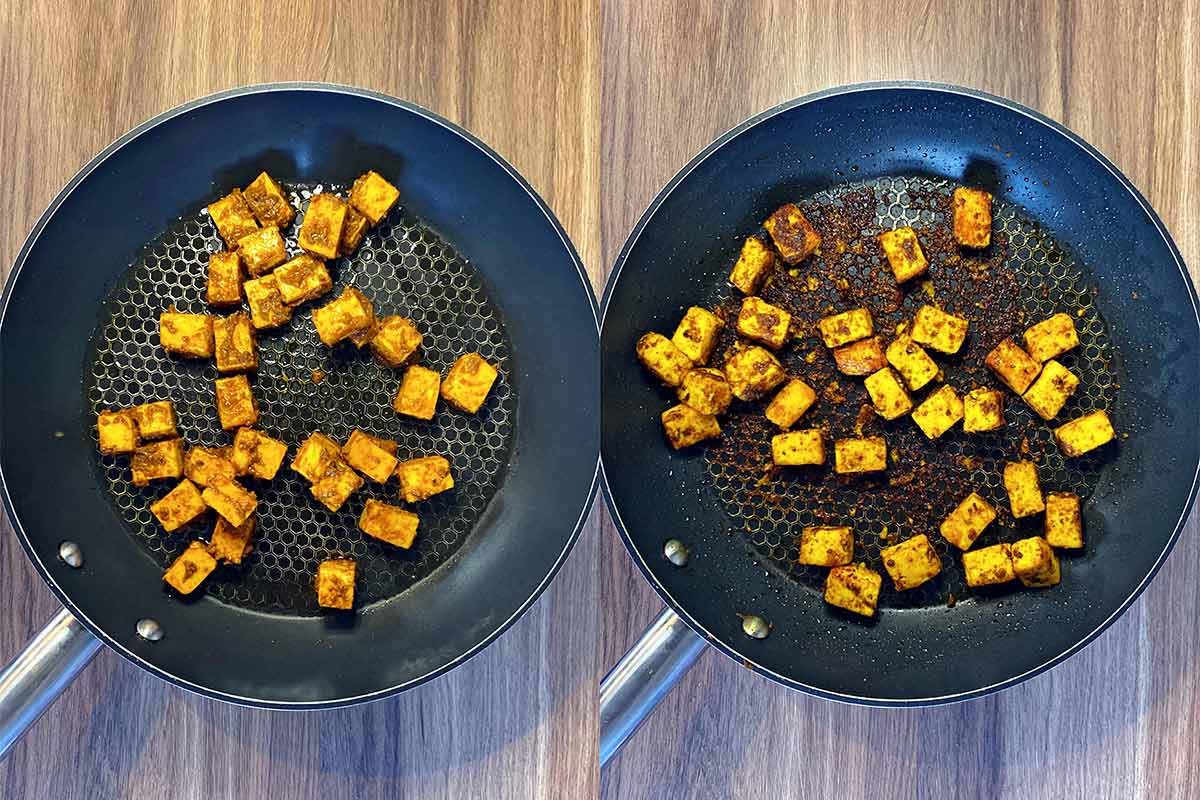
(853,456)
(257,454)
(662,358)
(231,543)
(1024,491)
(387,445)
(336,485)
(967,521)
(468,382)
(224,279)
(860,358)
(321,229)
(826,546)
(190,569)
(203,465)
(1035,562)
(388,523)
(268,202)
(179,506)
(335,583)
(903,252)
(887,394)
(795,238)
(1051,338)
(983,410)
(935,328)
(396,341)
(854,587)
(988,566)
(939,412)
(422,478)
(911,563)
(117,432)
(235,345)
(266,303)
(157,461)
(791,403)
(236,406)
(685,426)
(697,334)
(705,390)
(972,217)
(762,322)
(353,231)
(1012,365)
(230,499)
(373,197)
(752,372)
(1050,392)
(262,251)
(367,332)
(233,218)
(188,335)
(316,454)
(364,454)
(301,279)
(912,362)
(339,319)
(1085,434)
(1064,522)
(798,448)
(155,420)
(847,327)
(753,266)
(418,394)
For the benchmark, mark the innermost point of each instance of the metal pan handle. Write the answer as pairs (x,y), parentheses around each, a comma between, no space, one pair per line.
(38,675)
(643,677)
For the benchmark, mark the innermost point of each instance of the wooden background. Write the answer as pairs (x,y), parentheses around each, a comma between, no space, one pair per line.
(1120,720)
(518,721)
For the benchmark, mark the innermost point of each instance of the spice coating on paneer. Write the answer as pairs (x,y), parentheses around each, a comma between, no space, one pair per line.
(662,358)
(826,546)
(321,229)
(939,412)
(1085,434)
(202,465)
(852,456)
(388,523)
(685,426)
(1012,365)
(336,484)
(235,345)
(179,506)
(798,448)
(188,335)
(1024,491)
(847,327)
(262,251)
(422,478)
(983,410)
(231,543)
(972,217)
(903,251)
(236,406)
(302,278)
(353,231)
(373,197)
(1050,392)
(854,587)
(752,372)
(155,420)
(364,454)
(315,456)
(396,341)
(468,382)
(795,238)
(267,309)
(230,499)
(887,394)
(224,279)
(967,521)
(342,317)
(911,562)
(257,454)
(753,266)
(764,323)
(705,390)
(1035,562)
(233,218)
(988,566)
(860,358)
(157,461)
(697,334)
(418,393)
(791,403)
(190,569)
(935,328)
(268,202)
(1051,338)
(335,583)
(366,332)
(912,362)
(117,432)
(1064,522)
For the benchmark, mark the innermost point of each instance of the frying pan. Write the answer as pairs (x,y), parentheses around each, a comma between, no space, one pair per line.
(127,237)
(1075,229)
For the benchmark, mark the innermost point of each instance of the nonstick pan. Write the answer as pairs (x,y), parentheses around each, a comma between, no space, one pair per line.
(129,237)
(1071,232)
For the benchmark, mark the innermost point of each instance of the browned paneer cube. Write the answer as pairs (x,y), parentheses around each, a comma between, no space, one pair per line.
(1085,434)
(236,406)
(343,317)
(190,569)
(117,432)
(798,448)
(912,362)
(388,445)
(854,587)
(257,454)
(235,345)
(321,229)
(903,252)
(685,426)
(983,410)
(860,358)
(1012,365)
(791,403)
(1064,522)
(753,266)
(302,278)
(887,394)
(762,322)
(231,543)
(972,217)
(203,465)
(752,372)
(988,566)
(939,412)
(353,231)
(335,583)
(388,523)
(662,358)
(697,334)
(188,335)
(935,328)
(224,279)
(364,454)
(468,382)
(1035,562)
(262,251)
(157,461)
(335,486)
(233,218)
(852,456)
(826,546)
(1024,491)
(1050,392)
(268,201)
(418,394)
(795,238)
(846,327)
(315,456)
(705,390)
(179,506)
(373,197)
(230,499)
(911,562)
(396,341)
(155,420)
(422,478)
(266,303)
(1051,338)
(967,521)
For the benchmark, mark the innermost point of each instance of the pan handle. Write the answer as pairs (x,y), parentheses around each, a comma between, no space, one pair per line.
(38,675)
(643,677)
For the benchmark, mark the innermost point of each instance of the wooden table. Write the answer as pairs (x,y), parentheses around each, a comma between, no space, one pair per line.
(1121,719)
(518,721)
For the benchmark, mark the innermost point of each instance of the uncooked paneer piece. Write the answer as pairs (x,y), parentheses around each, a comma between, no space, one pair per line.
(847,327)
(157,461)
(235,345)
(335,583)
(373,197)
(822,546)
(972,217)
(988,566)
(753,266)
(939,412)
(1064,522)
(268,202)
(752,372)
(685,426)
(468,382)
(911,562)
(230,499)
(791,403)
(798,448)
(396,341)
(861,358)
(912,362)
(336,485)
(854,587)
(662,358)
(233,218)
(903,252)
(364,454)
(353,231)
(705,390)
(231,543)
(1085,434)
(388,523)
(190,569)
(418,394)
(262,251)
(697,334)
(887,394)
(343,317)
(853,456)
(1051,338)
(762,322)
(1050,392)
(302,278)
(1012,365)
(117,432)
(983,410)
(1035,562)
(266,303)
(236,406)
(967,521)
(935,328)
(422,478)
(256,454)
(224,279)
(188,335)
(155,420)
(316,454)
(1024,491)
(321,229)
(203,465)
(179,506)
(795,238)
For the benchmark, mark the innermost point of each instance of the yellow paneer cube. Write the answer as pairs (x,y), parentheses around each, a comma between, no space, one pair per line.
(396,341)
(967,521)
(826,546)
(911,562)
(202,465)
(795,238)
(262,251)
(705,390)
(157,461)
(847,327)
(302,278)
(912,362)
(1012,365)
(256,454)
(854,587)
(236,406)
(1024,491)
(353,231)
(935,328)
(233,218)
(321,229)
(468,382)
(791,403)
(762,322)
(422,478)
(190,569)
(335,583)
(685,426)
(852,456)
(753,266)
(752,372)
(798,448)
(1035,562)
(887,394)
(224,279)
(231,543)
(117,432)
(939,412)
(343,317)
(188,335)
(155,420)
(234,342)
(315,455)
(972,217)
(1051,338)
(268,201)
(983,410)
(230,499)
(364,454)
(903,252)
(388,523)
(860,358)
(1085,434)
(387,445)
(179,506)
(988,566)
(335,486)
(373,197)
(1064,522)
(266,303)
(662,358)
(697,334)
(367,332)
(1050,392)
(418,394)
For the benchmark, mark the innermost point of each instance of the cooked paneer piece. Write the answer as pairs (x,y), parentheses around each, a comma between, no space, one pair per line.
(912,362)
(117,432)
(203,465)
(235,344)
(1012,365)
(791,403)
(988,566)
(854,587)
(268,202)
(939,412)
(983,410)
(179,506)
(911,562)
(795,238)
(972,217)
(753,266)
(188,571)
(903,252)
(262,251)
(255,453)
(685,426)
(231,543)
(935,328)
(266,303)
(155,420)
(697,334)
(335,583)
(387,445)
(468,382)
(762,322)
(1051,338)
(157,461)
(823,546)
(705,390)
(353,231)
(367,333)
(861,358)
(847,327)
(236,406)
(662,358)
(316,454)
(967,521)
(422,478)
(752,372)
(339,319)
(887,394)
(798,448)
(230,499)
(224,279)
(852,456)
(1050,392)
(302,278)
(335,486)
(233,218)
(396,341)
(373,197)
(1085,434)
(1024,491)
(1035,562)
(418,394)
(364,454)
(1064,522)
(388,523)
(321,229)
(188,335)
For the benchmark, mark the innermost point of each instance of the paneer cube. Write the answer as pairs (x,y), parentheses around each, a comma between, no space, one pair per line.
(697,334)
(268,201)
(190,569)
(854,587)
(853,456)
(1035,562)
(388,523)
(257,454)
(155,420)
(316,454)
(1024,491)
(418,394)
(795,238)
(230,499)
(1064,522)
(302,278)
(762,322)
(231,543)
(752,372)
(903,252)
(662,358)
(705,390)
(203,465)
(1051,338)
(1085,434)
(224,279)
(798,448)
(860,358)
(266,303)
(235,344)
(422,478)
(373,197)
(396,341)
(983,410)
(117,432)
(343,317)
(157,461)
(188,335)
(236,406)
(826,546)
(685,426)
(935,328)
(321,229)
(364,454)
(353,231)
(847,327)
(233,218)
(179,506)
(988,566)
(912,362)
(336,484)
(262,251)
(387,445)
(468,382)
(368,331)
(887,394)
(791,403)
(972,217)
(1012,365)
(939,412)
(967,521)
(911,562)
(335,583)
(753,266)
(1050,392)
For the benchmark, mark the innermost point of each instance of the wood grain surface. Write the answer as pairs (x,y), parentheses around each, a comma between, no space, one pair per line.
(518,721)
(1121,719)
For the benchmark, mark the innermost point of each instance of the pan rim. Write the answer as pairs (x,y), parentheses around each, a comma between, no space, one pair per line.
(746,659)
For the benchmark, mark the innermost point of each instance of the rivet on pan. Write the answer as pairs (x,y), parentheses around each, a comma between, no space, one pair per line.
(71,554)
(676,552)
(149,629)
(754,626)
